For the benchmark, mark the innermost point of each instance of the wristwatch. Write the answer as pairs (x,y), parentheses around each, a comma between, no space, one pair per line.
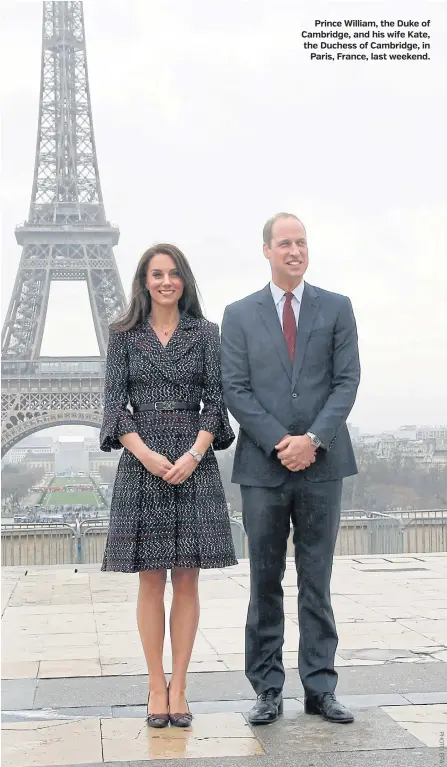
(197,456)
(316,441)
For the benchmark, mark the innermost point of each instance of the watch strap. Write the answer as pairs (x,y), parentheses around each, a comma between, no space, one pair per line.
(316,441)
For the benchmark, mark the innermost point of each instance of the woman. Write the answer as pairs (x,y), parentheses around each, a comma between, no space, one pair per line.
(168,510)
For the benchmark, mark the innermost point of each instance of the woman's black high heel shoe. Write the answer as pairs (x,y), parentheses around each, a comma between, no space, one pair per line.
(180,720)
(156,720)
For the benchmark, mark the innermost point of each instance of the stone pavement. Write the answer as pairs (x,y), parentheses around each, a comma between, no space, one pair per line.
(74,684)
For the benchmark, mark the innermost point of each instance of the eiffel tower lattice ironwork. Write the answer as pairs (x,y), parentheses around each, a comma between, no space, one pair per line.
(66,237)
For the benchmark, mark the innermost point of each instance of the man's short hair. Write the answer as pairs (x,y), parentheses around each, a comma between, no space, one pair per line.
(267,231)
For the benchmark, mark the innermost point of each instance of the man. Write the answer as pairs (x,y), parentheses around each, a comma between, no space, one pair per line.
(290,369)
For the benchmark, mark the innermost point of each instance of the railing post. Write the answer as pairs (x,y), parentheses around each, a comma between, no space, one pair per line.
(238,537)
(78,543)
(369,524)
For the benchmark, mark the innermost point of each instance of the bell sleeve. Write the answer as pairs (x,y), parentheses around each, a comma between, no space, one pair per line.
(214,415)
(117,419)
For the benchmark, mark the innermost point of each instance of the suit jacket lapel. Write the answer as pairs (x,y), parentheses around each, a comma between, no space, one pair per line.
(269,316)
(308,315)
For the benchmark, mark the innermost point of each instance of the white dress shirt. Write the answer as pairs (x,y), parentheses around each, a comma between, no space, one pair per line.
(279,297)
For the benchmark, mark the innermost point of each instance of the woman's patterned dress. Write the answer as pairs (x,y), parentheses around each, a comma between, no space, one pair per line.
(153,524)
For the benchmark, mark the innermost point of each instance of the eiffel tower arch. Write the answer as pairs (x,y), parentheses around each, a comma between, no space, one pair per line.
(66,237)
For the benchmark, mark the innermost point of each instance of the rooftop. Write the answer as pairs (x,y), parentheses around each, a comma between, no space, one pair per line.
(75,687)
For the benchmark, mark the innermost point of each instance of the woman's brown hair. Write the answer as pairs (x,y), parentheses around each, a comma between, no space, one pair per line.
(140,303)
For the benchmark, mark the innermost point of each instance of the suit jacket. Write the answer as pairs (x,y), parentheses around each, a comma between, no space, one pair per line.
(271,397)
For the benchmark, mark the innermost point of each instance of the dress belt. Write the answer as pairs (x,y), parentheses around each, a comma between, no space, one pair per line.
(160,406)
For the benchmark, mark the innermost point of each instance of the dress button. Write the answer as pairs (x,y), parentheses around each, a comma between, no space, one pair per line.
(294,395)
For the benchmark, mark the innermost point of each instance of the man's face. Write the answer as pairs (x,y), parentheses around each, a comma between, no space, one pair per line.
(287,253)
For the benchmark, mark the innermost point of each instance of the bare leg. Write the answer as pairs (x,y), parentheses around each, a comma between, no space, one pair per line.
(151,625)
(184,621)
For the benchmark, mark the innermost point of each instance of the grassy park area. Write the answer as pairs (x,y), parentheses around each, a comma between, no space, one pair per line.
(67,497)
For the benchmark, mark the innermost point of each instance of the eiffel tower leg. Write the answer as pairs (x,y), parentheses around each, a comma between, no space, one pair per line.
(106,301)
(24,324)
(67,237)
(40,320)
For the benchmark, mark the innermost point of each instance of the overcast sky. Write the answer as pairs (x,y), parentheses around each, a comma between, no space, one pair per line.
(209,118)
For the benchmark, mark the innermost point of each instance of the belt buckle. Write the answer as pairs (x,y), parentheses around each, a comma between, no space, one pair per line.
(163,406)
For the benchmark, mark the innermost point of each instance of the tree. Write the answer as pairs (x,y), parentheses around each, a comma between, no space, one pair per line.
(17,479)
(396,481)
(107,472)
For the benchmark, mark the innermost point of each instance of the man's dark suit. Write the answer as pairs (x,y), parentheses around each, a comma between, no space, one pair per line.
(271,397)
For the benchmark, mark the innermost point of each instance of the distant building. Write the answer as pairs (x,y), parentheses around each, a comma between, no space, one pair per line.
(29,446)
(70,457)
(426,445)
(91,445)
(98,459)
(38,460)
(438,433)
(14,456)
(354,432)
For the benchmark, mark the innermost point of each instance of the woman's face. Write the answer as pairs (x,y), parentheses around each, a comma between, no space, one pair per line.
(163,280)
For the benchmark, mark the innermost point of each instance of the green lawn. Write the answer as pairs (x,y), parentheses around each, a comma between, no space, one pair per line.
(61,498)
(65,497)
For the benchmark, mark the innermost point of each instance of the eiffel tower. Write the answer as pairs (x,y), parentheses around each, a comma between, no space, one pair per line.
(66,237)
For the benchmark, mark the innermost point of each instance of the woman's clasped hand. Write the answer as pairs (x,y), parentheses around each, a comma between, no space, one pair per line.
(173,473)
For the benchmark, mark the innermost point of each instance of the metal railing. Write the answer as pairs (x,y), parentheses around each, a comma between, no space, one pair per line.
(239,539)
(45,543)
(418,531)
(402,532)
(92,540)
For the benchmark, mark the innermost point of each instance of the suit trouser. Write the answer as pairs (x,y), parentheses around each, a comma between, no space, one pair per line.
(314,508)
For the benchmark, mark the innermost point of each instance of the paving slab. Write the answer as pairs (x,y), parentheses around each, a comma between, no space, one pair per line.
(428,723)
(371,701)
(233,685)
(426,698)
(212,735)
(47,714)
(91,691)
(26,669)
(372,729)
(392,677)
(291,705)
(426,757)
(73,664)
(37,744)
(412,757)
(81,622)
(18,693)
(41,744)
